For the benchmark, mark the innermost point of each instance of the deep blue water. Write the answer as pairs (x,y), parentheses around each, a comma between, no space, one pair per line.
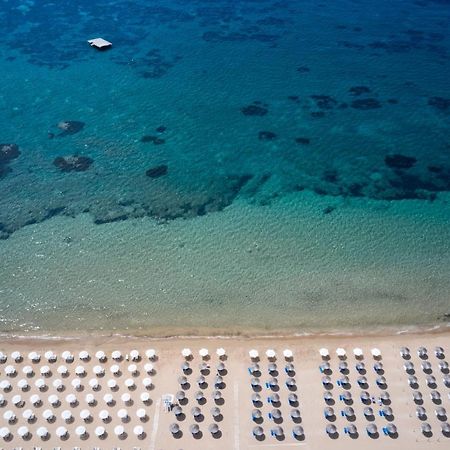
(199,104)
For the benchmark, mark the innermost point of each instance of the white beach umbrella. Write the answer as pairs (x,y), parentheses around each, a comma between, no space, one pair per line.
(80,431)
(28,415)
(5,385)
(71,399)
(100,355)
(98,370)
(324,353)
(122,414)
(100,431)
(148,368)
(40,384)
(80,371)
(16,356)
(93,383)
(270,353)
(48,415)
(287,353)
(115,369)
(5,433)
(76,383)
(3,358)
(132,368)
(34,357)
(42,432)
(119,430)
(150,353)
(103,415)
(376,352)
(9,416)
(108,398)
(145,397)
(129,383)
(112,384)
(53,400)
(125,397)
(341,352)
(50,356)
(220,352)
(203,352)
(23,432)
(186,352)
(85,414)
(141,413)
(2,400)
(17,401)
(90,399)
(23,384)
(62,370)
(357,352)
(84,355)
(253,354)
(10,371)
(35,400)
(28,371)
(134,355)
(147,382)
(67,356)
(58,384)
(116,355)
(45,371)
(138,430)
(61,432)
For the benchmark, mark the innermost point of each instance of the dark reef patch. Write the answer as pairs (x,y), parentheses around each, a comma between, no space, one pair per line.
(365,104)
(303,69)
(392,101)
(317,114)
(398,161)
(302,140)
(359,90)
(324,102)
(157,171)
(161,129)
(294,98)
(255,109)
(440,103)
(8,152)
(266,135)
(69,127)
(73,163)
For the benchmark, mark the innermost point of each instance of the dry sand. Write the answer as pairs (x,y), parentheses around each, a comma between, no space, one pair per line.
(236,425)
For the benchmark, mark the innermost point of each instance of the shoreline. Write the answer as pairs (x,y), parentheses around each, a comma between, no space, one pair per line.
(376,332)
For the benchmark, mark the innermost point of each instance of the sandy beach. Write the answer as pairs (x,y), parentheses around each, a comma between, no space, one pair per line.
(234,420)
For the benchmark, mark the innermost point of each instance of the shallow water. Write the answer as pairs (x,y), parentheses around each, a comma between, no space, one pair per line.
(254,165)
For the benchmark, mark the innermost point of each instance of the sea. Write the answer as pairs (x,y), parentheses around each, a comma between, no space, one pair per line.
(225,167)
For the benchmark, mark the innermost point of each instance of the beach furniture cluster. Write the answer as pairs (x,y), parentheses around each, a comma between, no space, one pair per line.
(80,396)
(275,397)
(355,387)
(429,381)
(197,406)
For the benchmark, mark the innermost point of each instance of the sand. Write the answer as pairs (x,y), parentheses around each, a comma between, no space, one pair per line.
(236,424)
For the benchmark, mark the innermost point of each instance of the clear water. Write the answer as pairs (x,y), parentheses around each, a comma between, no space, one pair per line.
(254,165)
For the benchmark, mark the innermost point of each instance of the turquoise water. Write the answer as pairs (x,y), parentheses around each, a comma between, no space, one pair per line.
(228,166)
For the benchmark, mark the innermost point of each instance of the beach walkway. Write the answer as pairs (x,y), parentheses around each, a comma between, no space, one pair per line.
(233,394)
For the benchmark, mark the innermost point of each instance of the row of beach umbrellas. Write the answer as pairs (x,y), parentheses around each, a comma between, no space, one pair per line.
(422,352)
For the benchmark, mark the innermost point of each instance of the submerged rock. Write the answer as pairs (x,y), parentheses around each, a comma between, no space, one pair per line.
(302,140)
(70,127)
(8,152)
(155,139)
(157,171)
(440,103)
(254,110)
(359,90)
(398,161)
(161,129)
(73,163)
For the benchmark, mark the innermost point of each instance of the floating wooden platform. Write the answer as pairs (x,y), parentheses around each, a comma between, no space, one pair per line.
(100,43)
